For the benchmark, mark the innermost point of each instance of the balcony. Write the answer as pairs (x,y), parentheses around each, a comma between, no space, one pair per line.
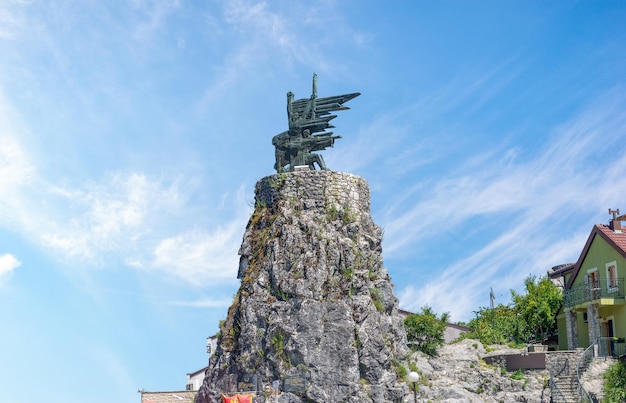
(597,291)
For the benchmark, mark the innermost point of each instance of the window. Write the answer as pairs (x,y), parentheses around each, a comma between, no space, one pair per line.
(592,281)
(611,276)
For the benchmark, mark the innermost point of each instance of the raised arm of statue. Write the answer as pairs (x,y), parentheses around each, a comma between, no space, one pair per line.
(290,117)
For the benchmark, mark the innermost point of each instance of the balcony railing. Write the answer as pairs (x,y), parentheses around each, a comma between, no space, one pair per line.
(598,289)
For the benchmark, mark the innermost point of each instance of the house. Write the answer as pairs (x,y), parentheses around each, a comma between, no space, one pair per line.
(195,379)
(593,300)
(560,274)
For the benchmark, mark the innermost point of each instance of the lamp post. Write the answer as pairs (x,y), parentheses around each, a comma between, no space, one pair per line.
(413,377)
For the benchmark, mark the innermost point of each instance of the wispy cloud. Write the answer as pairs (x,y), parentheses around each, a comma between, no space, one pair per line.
(147,223)
(11,18)
(501,264)
(111,216)
(263,33)
(125,219)
(534,199)
(201,257)
(508,184)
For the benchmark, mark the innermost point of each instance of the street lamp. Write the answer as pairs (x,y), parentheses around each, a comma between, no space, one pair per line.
(413,377)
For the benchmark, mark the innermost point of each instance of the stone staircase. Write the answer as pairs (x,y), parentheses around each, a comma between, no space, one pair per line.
(565,387)
(566,390)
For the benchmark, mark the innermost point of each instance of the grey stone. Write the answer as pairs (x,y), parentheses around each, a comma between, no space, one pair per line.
(314,297)
(459,374)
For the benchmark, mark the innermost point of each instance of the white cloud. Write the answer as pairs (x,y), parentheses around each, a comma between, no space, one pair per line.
(201,257)
(144,222)
(113,216)
(561,178)
(578,174)
(8,263)
(502,264)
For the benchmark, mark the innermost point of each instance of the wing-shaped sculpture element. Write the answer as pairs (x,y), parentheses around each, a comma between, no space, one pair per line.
(308,120)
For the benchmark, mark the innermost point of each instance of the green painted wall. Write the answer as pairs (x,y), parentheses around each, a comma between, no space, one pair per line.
(600,253)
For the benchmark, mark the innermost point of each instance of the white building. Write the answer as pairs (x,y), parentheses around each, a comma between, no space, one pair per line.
(195,379)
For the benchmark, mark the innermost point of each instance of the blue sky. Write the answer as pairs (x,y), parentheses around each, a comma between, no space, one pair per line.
(132,133)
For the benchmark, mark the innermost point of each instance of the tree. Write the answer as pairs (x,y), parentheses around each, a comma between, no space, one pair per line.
(424,330)
(499,325)
(538,308)
(531,316)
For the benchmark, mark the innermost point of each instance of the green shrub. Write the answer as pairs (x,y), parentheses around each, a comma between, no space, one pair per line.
(425,330)
(517,375)
(615,383)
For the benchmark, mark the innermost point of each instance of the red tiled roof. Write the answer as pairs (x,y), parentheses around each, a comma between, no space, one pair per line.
(617,240)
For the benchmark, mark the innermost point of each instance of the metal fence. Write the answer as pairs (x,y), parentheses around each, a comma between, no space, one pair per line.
(592,291)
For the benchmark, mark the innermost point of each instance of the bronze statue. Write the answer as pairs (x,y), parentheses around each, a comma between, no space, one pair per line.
(308,121)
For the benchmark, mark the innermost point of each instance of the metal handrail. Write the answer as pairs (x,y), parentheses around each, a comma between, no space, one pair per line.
(586,292)
(583,395)
(604,351)
(554,389)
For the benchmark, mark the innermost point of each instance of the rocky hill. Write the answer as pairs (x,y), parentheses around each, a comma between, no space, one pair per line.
(316,320)
(459,374)
(315,313)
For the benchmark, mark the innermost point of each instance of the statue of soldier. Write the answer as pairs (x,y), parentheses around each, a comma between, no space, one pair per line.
(308,119)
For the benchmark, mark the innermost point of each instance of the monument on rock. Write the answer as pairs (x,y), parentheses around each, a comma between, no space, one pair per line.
(308,120)
(315,318)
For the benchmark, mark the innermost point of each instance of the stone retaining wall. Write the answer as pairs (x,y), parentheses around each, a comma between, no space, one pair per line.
(542,360)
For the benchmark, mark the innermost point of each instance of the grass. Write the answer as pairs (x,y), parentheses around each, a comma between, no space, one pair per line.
(377,297)
(517,375)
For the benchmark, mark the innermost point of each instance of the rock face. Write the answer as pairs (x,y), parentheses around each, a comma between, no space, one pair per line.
(459,374)
(315,310)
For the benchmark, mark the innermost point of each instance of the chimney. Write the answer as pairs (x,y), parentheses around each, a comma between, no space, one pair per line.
(616,222)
